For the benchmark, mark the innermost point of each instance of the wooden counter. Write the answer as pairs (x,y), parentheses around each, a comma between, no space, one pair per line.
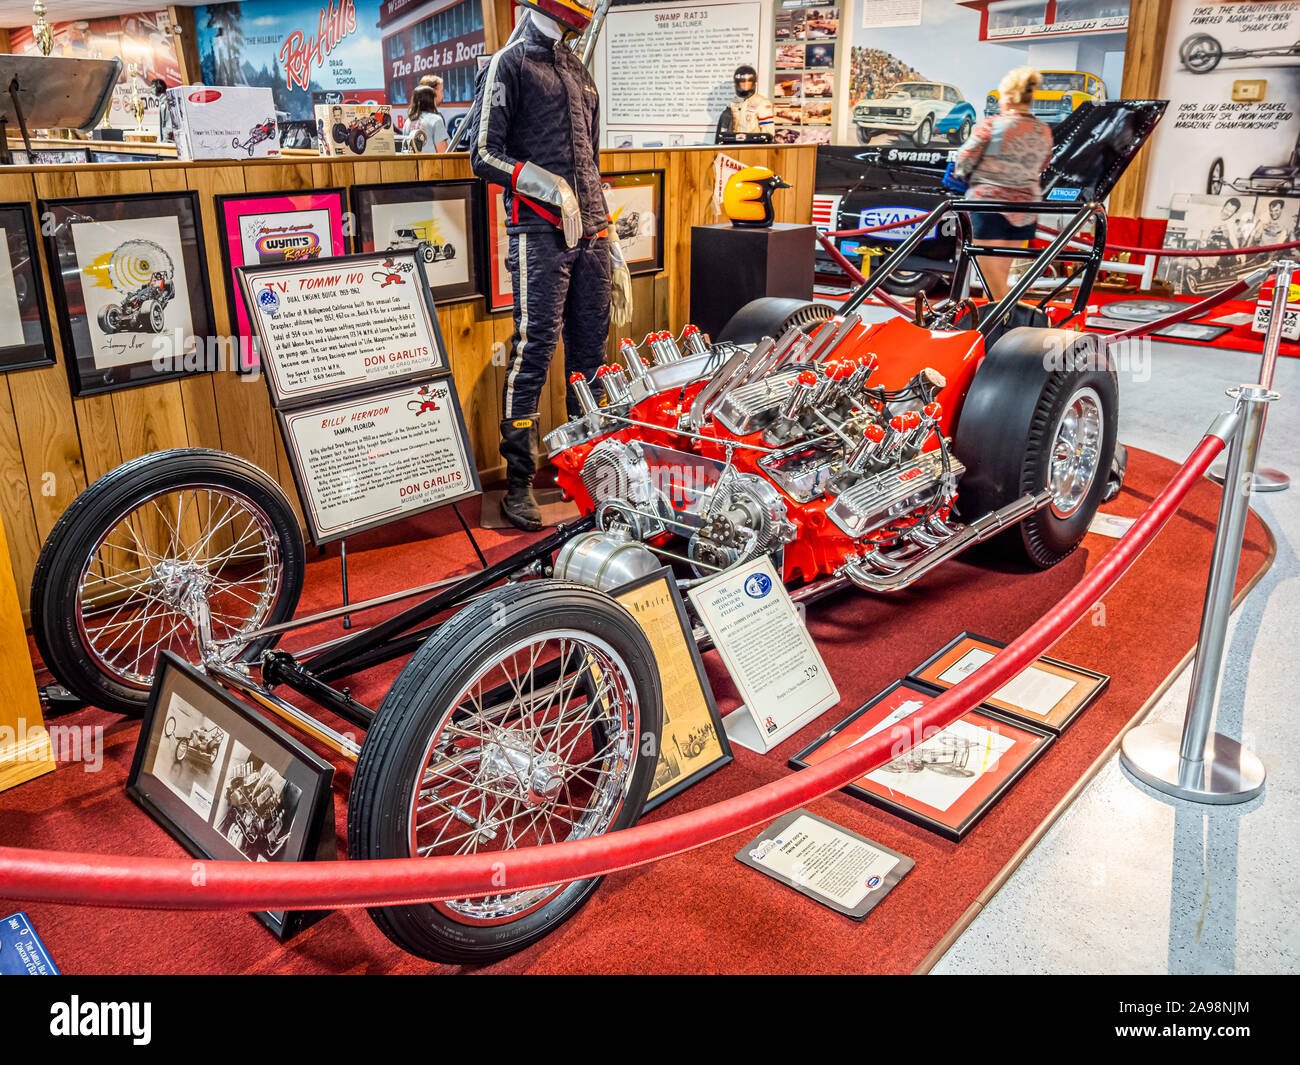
(52,445)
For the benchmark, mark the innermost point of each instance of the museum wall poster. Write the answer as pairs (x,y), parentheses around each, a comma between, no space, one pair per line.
(1225,162)
(146,43)
(665,70)
(343,51)
(807,59)
(918,72)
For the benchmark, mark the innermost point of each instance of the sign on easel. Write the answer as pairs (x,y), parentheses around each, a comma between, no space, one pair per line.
(769,653)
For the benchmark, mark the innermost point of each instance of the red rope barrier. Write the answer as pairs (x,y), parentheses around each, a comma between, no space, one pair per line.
(1184,253)
(110,880)
(837,233)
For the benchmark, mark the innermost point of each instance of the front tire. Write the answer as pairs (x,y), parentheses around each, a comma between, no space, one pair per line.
(910,282)
(865,135)
(1200,53)
(924,132)
(771,316)
(108,585)
(523,720)
(1214,181)
(1024,427)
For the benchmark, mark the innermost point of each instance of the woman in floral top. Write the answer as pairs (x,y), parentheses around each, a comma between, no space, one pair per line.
(1002,160)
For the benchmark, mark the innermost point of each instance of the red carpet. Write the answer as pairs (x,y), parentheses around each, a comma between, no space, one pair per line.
(701,911)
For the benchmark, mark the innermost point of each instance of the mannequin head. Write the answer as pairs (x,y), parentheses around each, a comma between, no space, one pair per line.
(558,17)
(746,80)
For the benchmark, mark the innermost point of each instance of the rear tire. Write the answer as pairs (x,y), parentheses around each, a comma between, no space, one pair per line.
(401,804)
(1024,427)
(770,316)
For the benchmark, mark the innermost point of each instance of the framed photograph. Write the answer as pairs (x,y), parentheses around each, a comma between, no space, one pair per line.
(1050,693)
(364,460)
(130,285)
(434,218)
(636,203)
(24,323)
(331,328)
(693,743)
(227,784)
(945,781)
(501,292)
(274,227)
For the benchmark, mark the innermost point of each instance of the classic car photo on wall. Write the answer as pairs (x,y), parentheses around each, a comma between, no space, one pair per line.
(916,110)
(1062,92)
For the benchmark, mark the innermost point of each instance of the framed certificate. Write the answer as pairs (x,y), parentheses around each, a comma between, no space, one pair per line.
(943,780)
(1050,693)
(692,742)
(335,327)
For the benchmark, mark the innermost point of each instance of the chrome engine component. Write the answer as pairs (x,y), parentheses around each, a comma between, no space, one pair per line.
(743,516)
(604,560)
(618,474)
(675,375)
(882,497)
(750,407)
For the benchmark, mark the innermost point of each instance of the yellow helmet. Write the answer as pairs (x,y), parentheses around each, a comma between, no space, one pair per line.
(747,196)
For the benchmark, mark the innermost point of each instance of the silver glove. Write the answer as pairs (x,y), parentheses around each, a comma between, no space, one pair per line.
(539,184)
(620,284)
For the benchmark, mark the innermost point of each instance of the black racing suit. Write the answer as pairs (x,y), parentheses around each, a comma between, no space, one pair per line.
(538,105)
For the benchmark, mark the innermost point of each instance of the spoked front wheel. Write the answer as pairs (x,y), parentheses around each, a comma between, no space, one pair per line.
(124,569)
(526,719)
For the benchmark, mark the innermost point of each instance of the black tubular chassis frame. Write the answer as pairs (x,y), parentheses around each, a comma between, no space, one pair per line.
(311,672)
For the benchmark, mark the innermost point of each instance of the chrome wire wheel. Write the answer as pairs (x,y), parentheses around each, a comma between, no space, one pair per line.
(538,747)
(200,546)
(1076,451)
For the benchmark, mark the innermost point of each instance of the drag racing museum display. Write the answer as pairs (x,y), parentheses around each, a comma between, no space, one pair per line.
(284,377)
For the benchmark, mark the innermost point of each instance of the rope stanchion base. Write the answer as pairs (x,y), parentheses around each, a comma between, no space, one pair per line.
(1229,773)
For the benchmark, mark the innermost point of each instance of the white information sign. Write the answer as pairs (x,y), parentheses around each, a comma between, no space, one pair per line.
(333,326)
(369,459)
(769,653)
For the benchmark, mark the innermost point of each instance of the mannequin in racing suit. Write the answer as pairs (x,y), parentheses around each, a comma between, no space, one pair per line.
(538,136)
(750,112)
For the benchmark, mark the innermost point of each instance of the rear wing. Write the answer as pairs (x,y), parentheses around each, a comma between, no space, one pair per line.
(1095,145)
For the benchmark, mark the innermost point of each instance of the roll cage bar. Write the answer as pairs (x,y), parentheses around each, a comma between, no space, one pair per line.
(968,252)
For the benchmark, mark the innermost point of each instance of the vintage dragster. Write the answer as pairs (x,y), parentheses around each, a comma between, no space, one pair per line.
(853,454)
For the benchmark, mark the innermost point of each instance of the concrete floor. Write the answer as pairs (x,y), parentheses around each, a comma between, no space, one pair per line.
(1128,880)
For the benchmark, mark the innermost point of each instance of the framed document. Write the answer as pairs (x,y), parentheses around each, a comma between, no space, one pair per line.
(501,292)
(766,647)
(635,199)
(1049,693)
(692,743)
(334,327)
(130,285)
(228,784)
(944,781)
(371,458)
(436,219)
(275,227)
(24,323)
(831,865)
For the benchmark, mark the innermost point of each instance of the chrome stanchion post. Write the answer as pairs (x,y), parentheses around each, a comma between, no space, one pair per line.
(1269,479)
(1190,762)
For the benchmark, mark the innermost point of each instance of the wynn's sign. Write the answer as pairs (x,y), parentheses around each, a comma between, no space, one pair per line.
(301,53)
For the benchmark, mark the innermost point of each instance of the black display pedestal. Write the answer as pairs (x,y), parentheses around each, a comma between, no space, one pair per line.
(731,265)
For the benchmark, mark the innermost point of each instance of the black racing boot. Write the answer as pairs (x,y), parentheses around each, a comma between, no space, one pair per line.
(519,449)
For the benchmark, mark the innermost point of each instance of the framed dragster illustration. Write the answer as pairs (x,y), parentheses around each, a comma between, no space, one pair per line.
(855,455)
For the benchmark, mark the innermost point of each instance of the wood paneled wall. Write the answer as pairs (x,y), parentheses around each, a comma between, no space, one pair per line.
(52,445)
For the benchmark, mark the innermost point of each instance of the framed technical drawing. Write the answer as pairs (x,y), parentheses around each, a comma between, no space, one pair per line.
(635,199)
(24,322)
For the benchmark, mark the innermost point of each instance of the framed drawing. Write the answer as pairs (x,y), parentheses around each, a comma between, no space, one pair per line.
(693,743)
(24,322)
(228,784)
(635,199)
(945,781)
(130,285)
(436,218)
(500,293)
(1050,693)
(274,227)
